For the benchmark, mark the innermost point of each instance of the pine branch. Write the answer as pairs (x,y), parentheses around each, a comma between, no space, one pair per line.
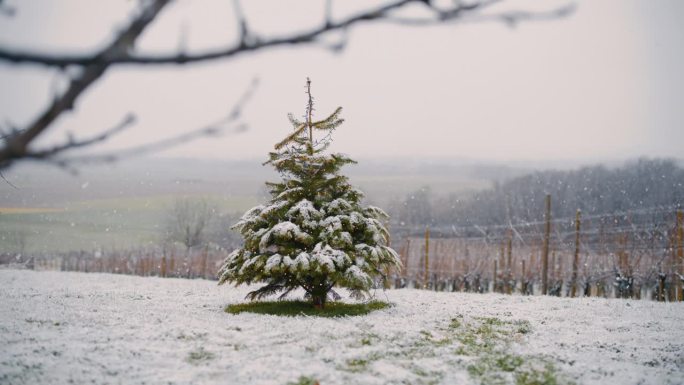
(331,122)
(295,123)
(265,291)
(290,138)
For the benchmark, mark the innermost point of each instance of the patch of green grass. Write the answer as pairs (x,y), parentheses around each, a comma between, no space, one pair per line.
(357,364)
(304,380)
(360,364)
(427,377)
(455,323)
(295,308)
(488,340)
(508,362)
(369,339)
(200,355)
(523,326)
(483,344)
(430,339)
(491,321)
(546,375)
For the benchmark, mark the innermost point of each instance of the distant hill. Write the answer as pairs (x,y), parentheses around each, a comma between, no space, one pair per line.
(639,184)
(42,185)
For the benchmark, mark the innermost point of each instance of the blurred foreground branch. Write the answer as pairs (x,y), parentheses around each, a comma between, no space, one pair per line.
(15,144)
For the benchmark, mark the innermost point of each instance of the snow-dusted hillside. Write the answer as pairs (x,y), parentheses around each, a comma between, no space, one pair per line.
(95,328)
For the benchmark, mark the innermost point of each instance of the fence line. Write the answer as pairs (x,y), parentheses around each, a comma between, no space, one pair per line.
(628,254)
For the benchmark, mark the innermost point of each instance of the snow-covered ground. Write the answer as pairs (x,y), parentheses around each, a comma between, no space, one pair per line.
(60,327)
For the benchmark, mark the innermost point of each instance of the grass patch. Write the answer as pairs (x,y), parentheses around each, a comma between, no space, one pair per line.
(304,380)
(545,375)
(482,346)
(295,308)
(487,341)
(369,339)
(200,355)
(357,364)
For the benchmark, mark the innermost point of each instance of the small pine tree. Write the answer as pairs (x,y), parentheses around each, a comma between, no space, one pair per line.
(314,233)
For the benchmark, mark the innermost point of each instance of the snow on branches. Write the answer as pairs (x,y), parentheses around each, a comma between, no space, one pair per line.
(314,233)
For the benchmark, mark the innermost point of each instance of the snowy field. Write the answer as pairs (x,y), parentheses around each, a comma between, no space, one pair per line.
(60,328)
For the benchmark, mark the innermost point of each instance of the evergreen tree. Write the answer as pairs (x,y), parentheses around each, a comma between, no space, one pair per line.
(314,233)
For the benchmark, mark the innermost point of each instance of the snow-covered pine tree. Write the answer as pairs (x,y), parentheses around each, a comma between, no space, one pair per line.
(314,233)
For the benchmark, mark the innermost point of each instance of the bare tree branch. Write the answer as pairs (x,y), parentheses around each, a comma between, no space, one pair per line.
(72,144)
(511,18)
(328,12)
(16,146)
(245,45)
(91,67)
(7,181)
(213,129)
(241,22)
(6,10)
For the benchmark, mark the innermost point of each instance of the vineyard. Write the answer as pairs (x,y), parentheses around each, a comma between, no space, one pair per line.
(636,254)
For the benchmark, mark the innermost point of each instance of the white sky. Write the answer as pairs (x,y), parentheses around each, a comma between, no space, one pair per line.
(605,83)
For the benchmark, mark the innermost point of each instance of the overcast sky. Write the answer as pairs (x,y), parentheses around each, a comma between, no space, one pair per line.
(605,83)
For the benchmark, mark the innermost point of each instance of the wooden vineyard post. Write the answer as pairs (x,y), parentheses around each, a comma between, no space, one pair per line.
(426,277)
(523,282)
(172,264)
(203,266)
(545,247)
(496,263)
(680,253)
(405,259)
(559,271)
(502,265)
(509,266)
(553,275)
(532,266)
(575,261)
(162,268)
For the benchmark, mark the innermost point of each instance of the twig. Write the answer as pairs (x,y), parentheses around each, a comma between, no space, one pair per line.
(74,144)
(241,22)
(328,12)
(7,181)
(511,18)
(212,129)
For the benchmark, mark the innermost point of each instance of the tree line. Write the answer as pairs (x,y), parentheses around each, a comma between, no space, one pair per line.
(595,190)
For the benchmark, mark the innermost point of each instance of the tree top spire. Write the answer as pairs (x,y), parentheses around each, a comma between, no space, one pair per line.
(309,109)
(299,136)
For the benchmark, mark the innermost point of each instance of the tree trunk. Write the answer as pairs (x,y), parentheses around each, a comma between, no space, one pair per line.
(318,297)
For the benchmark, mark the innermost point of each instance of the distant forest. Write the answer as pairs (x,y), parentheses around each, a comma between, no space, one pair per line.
(640,184)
